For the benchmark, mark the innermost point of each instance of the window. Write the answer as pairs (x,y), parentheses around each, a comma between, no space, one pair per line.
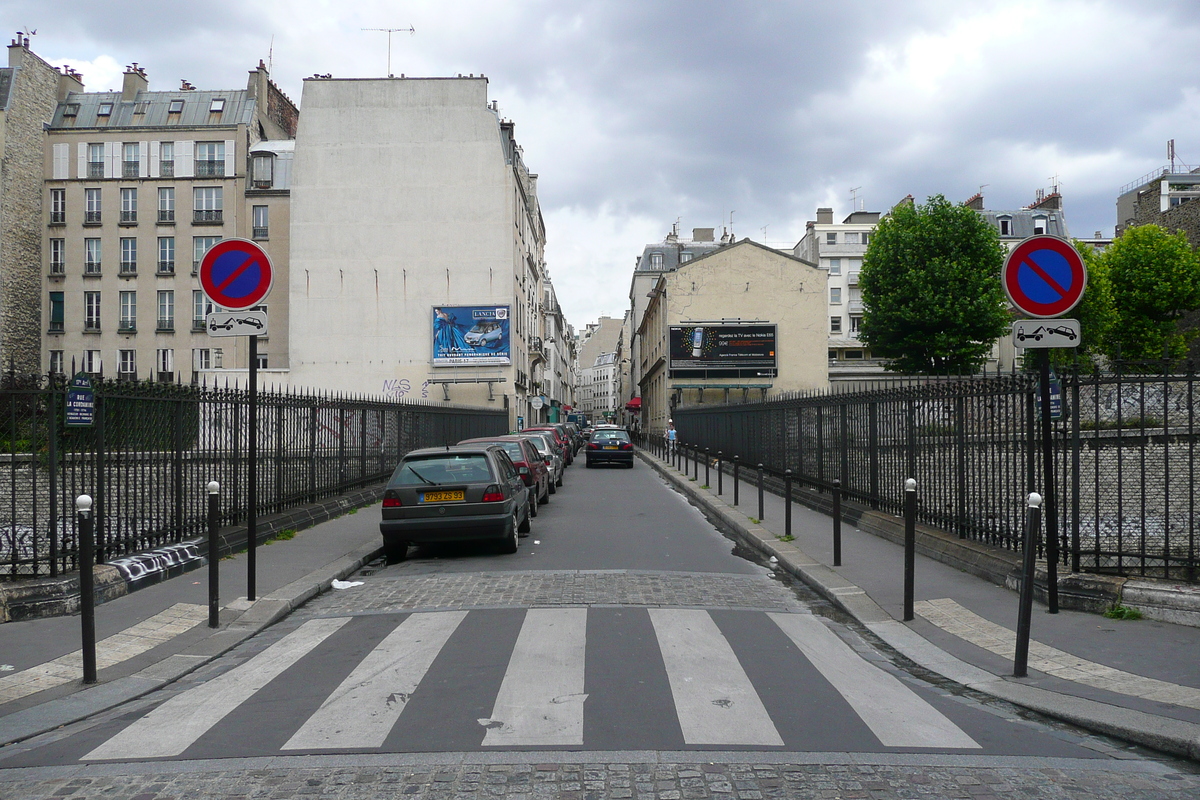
(166,204)
(129,205)
(259,222)
(131,159)
(685,257)
(166,255)
(851,237)
(91,311)
(210,159)
(175,107)
(852,354)
(95,160)
(262,360)
(92,206)
(831,238)
(835,266)
(855,322)
(1005,226)
(217,105)
(656,260)
(58,258)
(200,246)
(128,321)
(166,311)
(1039,225)
(201,358)
(92,363)
(835,294)
(128,255)
(56,362)
(166,161)
(71,110)
(263,174)
(58,206)
(56,312)
(164,359)
(127,362)
(91,256)
(866,239)
(207,203)
(835,324)
(105,110)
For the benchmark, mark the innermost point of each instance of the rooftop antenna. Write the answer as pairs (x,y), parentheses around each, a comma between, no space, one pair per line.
(1171,153)
(1053,183)
(983,186)
(764,231)
(271,54)
(731,223)
(854,198)
(389,31)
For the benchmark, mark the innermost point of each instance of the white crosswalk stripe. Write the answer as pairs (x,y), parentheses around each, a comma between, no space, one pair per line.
(362,711)
(542,699)
(893,712)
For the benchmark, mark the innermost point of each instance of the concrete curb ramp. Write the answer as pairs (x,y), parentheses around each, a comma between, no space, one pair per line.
(1160,733)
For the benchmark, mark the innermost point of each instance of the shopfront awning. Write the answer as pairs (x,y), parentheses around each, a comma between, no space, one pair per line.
(635,404)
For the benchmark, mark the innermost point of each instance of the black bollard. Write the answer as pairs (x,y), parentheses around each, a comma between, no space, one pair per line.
(910,545)
(706,457)
(720,473)
(696,463)
(837,522)
(736,461)
(787,502)
(214,555)
(1033,524)
(760,492)
(87,591)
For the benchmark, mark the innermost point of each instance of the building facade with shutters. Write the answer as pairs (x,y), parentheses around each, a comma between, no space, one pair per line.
(138,185)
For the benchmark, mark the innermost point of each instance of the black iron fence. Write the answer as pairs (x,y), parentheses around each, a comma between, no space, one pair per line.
(1124,451)
(153,448)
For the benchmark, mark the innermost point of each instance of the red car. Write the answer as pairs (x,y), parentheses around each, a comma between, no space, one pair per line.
(529,464)
(561,436)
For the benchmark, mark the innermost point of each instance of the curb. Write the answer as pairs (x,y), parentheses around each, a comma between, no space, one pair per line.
(1160,733)
(263,613)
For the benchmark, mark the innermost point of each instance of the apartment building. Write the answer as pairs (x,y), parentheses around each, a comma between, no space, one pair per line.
(138,184)
(554,360)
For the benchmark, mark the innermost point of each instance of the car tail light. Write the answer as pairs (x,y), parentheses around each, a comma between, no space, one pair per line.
(390,500)
(492,494)
(593,446)
(627,446)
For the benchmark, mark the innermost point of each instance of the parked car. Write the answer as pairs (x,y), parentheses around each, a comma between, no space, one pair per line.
(454,494)
(609,446)
(528,461)
(560,434)
(551,453)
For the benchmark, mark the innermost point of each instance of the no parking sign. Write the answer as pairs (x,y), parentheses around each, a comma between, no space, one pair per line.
(1044,276)
(236,274)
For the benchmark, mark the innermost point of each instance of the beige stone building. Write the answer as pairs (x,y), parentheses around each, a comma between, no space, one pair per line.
(744,287)
(138,184)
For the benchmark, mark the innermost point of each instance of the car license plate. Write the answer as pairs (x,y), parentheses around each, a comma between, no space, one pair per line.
(612,447)
(442,497)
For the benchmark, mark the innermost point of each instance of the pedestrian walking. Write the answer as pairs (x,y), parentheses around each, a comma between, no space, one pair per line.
(670,438)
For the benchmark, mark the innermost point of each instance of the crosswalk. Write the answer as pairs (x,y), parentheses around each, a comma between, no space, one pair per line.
(544,677)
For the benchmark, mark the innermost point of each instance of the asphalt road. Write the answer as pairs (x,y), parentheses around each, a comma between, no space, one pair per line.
(625,628)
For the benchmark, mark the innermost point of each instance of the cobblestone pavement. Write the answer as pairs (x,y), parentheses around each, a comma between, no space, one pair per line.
(915,777)
(558,588)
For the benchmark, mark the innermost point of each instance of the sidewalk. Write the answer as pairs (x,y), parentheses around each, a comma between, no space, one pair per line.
(155,635)
(1136,680)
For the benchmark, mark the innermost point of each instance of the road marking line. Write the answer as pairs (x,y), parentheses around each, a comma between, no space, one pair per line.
(176,724)
(363,709)
(541,698)
(133,641)
(714,699)
(895,713)
(969,626)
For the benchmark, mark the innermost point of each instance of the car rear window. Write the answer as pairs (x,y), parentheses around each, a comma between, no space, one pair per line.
(443,469)
(514,450)
(620,436)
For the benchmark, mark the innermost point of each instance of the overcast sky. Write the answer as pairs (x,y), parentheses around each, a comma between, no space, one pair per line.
(636,114)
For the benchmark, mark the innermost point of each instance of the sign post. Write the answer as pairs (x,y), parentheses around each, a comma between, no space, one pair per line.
(1044,277)
(236,274)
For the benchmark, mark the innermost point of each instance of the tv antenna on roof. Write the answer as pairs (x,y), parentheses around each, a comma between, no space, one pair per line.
(854,198)
(389,31)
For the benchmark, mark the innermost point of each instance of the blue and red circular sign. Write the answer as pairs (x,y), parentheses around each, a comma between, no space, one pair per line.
(1044,276)
(236,274)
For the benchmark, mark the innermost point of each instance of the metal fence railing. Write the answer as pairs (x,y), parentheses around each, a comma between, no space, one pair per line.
(153,447)
(1124,450)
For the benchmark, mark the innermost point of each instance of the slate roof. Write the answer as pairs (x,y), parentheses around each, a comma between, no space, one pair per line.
(6,82)
(154,110)
(1021,225)
(671,252)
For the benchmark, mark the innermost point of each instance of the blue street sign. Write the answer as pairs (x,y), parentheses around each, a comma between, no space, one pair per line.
(81,402)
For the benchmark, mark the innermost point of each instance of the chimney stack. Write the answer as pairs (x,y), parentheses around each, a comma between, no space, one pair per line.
(134,81)
(824,216)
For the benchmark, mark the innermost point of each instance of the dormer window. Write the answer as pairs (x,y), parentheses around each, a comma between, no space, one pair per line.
(105,110)
(1039,225)
(217,105)
(71,110)
(176,107)
(656,260)
(263,168)
(1005,226)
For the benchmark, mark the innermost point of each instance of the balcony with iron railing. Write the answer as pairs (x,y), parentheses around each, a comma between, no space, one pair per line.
(58,218)
(166,216)
(127,268)
(95,169)
(130,169)
(91,267)
(166,169)
(127,326)
(128,217)
(165,325)
(91,326)
(166,268)
(210,169)
(58,268)
(207,216)
(91,218)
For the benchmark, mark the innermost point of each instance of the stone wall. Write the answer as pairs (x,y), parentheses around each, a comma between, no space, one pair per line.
(31,103)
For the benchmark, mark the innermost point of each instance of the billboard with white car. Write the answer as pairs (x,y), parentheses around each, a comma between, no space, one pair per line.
(471,335)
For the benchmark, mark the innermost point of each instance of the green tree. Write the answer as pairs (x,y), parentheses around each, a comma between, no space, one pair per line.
(1155,279)
(1095,313)
(931,291)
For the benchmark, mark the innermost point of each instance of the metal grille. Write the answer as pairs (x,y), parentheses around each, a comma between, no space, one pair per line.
(1125,458)
(154,447)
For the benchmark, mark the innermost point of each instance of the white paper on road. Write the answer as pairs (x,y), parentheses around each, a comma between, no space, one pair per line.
(175,725)
(362,711)
(895,714)
(714,699)
(541,698)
